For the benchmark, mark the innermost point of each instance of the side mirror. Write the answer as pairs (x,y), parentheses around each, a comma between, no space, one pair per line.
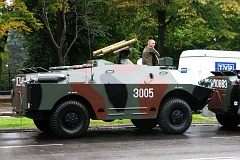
(238,74)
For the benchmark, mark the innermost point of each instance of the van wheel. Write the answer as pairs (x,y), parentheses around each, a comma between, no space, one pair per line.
(70,119)
(144,123)
(43,125)
(228,120)
(174,116)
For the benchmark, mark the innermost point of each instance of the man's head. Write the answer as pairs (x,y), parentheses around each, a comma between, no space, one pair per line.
(151,43)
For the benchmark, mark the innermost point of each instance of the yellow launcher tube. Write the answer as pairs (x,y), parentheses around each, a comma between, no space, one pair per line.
(97,52)
(114,47)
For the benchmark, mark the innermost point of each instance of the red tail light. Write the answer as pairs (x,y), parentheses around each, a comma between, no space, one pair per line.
(237,81)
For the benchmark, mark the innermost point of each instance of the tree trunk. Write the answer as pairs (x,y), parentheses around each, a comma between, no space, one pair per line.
(60,37)
(161,30)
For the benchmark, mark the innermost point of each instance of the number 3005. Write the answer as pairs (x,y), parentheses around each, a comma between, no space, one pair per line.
(143,93)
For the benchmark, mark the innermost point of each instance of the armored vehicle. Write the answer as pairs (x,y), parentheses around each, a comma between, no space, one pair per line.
(63,99)
(225,102)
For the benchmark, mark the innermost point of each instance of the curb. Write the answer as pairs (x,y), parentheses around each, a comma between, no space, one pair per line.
(10,114)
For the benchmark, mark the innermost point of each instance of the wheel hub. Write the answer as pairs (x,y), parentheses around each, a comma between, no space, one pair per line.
(177,117)
(71,120)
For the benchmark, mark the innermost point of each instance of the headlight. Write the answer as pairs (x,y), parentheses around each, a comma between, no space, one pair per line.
(205,83)
(238,74)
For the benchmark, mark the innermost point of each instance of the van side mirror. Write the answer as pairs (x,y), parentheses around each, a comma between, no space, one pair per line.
(238,74)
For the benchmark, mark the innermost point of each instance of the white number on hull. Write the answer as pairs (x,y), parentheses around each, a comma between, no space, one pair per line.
(143,93)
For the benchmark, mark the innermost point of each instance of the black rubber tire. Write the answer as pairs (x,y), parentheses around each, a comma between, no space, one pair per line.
(174,116)
(144,123)
(70,119)
(228,120)
(43,125)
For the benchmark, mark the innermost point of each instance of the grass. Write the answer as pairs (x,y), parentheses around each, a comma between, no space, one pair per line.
(26,123)
(198,118)
(6,123)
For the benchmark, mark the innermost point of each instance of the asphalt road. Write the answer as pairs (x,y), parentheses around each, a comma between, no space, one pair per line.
(200,142)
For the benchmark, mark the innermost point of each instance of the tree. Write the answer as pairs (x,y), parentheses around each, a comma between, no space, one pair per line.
(147,11)
(177,25)
(227,37)
(180,24)
(68,40)
(58,16)
(40,52)
(14,17)
(16,51)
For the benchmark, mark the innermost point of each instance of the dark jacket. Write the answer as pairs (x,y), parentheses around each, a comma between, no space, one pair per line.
(150,56)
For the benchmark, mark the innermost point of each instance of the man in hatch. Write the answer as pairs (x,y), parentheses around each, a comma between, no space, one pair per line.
(150,55)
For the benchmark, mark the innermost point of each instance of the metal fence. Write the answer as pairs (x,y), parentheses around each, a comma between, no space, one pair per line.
(5,92)
(5,81)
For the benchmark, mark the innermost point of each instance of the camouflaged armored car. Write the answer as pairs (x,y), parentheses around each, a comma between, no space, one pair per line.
(225,102)
(63,99)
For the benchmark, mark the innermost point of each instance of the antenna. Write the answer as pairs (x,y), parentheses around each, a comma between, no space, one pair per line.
(89,41)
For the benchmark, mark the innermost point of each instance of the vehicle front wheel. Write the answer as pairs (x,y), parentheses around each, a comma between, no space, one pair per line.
(70,119)
(144,123)
(174,116)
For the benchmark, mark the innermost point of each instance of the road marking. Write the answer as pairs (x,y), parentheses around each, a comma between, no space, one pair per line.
(45,145)
(226,137)
(215,158)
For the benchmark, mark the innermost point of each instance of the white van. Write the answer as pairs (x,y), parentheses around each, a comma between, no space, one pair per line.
(198,64)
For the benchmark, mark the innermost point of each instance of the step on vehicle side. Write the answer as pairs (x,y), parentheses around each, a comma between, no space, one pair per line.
(63,99)
(225,102)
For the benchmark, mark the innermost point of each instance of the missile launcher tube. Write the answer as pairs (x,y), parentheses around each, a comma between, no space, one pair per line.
(114,47)
(97,52)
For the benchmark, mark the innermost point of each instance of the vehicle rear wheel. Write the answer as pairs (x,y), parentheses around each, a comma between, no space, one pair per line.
(144,123)
(43,125)
(228,120)
(70,119)
(174,116)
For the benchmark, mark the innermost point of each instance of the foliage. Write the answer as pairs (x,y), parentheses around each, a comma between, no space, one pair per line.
(16,51)
(14,17)
(4,81)
(198,24)
(40,52)
(13,59)
(69,28)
